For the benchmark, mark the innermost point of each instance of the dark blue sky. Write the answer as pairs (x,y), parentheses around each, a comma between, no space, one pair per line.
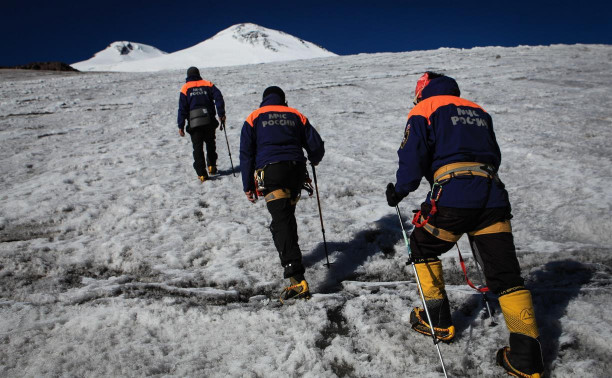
(73,31)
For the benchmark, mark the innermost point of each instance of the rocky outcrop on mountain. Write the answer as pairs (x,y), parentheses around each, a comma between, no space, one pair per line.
(44,66)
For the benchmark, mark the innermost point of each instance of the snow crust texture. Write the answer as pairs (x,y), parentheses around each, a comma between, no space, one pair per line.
(112,250)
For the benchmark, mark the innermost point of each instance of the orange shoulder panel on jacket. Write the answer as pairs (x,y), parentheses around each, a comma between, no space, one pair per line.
(274,108)
(428,106)
(191,84)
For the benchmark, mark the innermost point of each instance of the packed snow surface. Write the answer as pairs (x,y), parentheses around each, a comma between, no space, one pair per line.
(116,261)
(237,45)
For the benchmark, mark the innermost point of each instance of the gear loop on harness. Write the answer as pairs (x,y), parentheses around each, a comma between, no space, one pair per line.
(260,186)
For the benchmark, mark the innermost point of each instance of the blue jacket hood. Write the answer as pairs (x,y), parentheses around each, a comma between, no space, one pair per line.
(193,78)
(441,86)
(272,99)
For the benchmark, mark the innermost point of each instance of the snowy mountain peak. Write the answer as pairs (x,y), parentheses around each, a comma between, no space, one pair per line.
(239,44)
(256,35)
(118,52)
(126,48)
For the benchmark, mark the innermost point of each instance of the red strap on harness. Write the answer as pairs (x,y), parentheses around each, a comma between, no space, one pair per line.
(434,197)
(434,208)
(257,191)
(417,216)
(415,220)
(483,289)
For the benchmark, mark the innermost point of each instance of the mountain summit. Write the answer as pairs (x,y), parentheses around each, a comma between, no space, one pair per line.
(117,53)
(237,45)
(269,39)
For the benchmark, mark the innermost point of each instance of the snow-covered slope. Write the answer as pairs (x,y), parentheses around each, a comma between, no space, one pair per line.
(112,250)
(236,45)
(116,53)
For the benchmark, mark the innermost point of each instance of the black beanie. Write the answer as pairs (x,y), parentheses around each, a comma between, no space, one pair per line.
(193,71)
(275,90)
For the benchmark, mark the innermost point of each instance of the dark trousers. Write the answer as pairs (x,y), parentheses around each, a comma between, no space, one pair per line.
(199,136)
(285,175)
(500,265)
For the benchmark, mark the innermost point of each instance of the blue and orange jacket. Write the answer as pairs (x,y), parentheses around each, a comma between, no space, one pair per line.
(442,129)
(275,133)
(198,94)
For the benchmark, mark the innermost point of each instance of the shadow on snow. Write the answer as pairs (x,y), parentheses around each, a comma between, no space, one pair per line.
(347,257)
(554,286)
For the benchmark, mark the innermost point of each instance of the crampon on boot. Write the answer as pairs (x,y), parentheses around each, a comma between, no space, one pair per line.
(503,359)
(297,290)
(418,319)
(202,178)
(212,170)
(432,284)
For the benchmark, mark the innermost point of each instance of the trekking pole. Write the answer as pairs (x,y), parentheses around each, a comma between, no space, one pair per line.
(314,175)
(479,265)
(228,147)
(481,290)
(416,275)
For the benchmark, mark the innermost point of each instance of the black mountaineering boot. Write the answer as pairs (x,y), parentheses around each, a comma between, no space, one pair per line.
(523,358)
(444,329)
(297,290)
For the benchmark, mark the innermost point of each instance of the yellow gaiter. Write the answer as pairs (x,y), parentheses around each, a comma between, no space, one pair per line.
(518,312)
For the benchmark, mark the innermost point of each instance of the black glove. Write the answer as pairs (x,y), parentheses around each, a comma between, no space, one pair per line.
(221,125)
(392,197)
